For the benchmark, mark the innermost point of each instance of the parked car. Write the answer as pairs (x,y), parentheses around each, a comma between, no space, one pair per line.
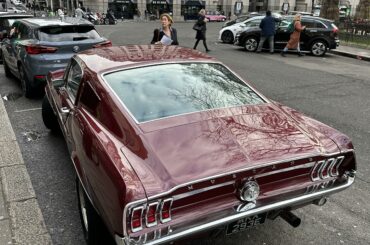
(215,16)
(16,2)
(319,36)
(6,21)
(240,18)
(15,10)
(168,142)
(300,12)
(38,46)
(228,33)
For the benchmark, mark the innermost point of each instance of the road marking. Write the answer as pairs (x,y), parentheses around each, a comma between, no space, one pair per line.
(32,109)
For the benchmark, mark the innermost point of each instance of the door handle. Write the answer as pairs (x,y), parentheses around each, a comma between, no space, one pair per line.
(64,110)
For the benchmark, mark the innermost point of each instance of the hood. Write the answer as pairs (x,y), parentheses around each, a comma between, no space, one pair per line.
(191,147)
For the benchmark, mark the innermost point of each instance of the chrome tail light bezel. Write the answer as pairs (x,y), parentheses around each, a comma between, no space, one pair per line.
(151,224)
(170,201)
(134,210)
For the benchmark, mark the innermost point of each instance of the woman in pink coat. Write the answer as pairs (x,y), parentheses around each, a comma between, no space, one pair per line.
(295,36)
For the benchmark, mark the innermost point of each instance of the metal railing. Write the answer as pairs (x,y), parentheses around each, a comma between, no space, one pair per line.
(355,32)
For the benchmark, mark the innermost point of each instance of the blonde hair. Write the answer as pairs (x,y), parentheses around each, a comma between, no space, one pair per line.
(167,16)
(202,12)
(297,17)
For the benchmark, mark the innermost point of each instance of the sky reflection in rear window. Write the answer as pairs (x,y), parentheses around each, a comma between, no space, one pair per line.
(160,91)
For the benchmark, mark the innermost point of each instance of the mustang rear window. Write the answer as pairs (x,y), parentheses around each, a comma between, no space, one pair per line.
(67,33)
(160,91)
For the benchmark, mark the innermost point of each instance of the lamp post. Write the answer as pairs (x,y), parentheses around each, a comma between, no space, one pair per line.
(34,8)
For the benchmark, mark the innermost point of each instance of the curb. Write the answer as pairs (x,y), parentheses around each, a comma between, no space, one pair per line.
(350,55)
(21,220)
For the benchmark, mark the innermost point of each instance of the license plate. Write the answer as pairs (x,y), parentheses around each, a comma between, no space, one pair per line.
(245,223)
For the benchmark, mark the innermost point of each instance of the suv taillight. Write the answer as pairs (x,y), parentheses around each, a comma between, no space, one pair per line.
(103,44)
(38,49)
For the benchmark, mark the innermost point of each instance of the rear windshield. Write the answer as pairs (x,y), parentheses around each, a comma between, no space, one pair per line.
(160,91)
(67,33)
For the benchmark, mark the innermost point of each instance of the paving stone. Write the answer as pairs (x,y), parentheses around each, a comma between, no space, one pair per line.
(27,223)
(5,235)
(3,209)
(16,183)
(10,153)
(6,130)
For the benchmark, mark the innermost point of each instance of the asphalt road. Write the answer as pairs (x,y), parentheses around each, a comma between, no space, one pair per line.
(333,89)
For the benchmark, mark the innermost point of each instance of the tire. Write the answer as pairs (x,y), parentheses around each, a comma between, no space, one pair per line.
(7,71)
(48,117)
(227,37)
(319,48)
(251,44)
(27,89)
(93,228)
(106,21)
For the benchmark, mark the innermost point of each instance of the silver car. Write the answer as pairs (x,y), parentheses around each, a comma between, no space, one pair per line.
(34,47)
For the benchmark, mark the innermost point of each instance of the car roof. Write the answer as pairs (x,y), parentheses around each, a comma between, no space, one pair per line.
(41,22)
(14,16)
(308,17)
(117,57)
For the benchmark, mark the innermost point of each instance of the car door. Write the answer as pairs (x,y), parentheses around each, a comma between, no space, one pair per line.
(308,33)
(10,44)
(282,35)
(67,98)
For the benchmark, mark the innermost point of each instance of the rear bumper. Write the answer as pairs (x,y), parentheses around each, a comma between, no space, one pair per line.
(175,233)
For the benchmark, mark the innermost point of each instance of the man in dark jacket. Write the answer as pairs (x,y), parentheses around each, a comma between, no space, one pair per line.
(267,26)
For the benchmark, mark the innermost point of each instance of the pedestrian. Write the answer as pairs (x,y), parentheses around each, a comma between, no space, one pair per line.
(201,31)
(60,14)
(267,26)
(293,42)
(79,12)
(146,15)
(166,35)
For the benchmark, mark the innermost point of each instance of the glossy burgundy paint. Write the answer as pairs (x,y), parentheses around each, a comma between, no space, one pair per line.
(119,161)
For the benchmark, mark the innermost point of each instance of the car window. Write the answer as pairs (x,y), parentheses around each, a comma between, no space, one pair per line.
(318,24)
(308,23)
(24,31)
(284,23)
(74,78)
(89,99)
(253,23)
(67,33)
(160,91)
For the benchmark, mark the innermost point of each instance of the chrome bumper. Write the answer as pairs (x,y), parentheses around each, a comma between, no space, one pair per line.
(263,209)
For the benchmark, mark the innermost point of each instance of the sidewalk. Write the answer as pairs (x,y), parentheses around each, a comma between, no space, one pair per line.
(21,220)
(352,52)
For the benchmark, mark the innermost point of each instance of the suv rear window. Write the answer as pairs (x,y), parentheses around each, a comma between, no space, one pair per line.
(67,33)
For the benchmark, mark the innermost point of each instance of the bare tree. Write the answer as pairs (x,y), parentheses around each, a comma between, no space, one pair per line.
(330,9)
(363,9)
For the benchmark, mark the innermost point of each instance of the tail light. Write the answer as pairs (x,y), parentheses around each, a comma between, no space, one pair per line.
(151,214)
(103,44)
(136,219)
(335,28)
(326,168)
(165,212)
(38,49)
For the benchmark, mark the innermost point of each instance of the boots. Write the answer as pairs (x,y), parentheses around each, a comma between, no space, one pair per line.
(283,53)
(300,54)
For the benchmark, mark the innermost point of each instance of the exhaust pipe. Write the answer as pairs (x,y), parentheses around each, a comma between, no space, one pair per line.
(320,202)
(291,218)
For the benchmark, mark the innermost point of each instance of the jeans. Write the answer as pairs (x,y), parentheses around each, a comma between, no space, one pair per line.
(262,41)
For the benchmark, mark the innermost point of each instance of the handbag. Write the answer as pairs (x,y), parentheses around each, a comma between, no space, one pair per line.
(197,27)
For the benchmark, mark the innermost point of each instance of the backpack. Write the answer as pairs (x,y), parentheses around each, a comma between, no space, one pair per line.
(290,27)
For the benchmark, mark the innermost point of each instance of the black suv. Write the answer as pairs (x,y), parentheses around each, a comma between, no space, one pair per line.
(319,36)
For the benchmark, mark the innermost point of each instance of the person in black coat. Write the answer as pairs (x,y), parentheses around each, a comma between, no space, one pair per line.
(267,26)
(201,34)
(166,30)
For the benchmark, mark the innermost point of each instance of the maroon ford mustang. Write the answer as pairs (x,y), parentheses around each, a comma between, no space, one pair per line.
(168,142)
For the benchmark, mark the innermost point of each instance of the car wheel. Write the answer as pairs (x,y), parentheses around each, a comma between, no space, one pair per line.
(227,37)
(106,21)
(25,84)
(93,228)
(251,44)
(319,48)
(48,117)
(7,71)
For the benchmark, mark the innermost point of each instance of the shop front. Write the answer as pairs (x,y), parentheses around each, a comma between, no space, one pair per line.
(191,8)
(125,9)
(157,7)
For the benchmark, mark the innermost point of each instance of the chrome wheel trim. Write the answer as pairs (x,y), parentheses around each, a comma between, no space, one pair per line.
(251,44)
(83,207)
(318,48)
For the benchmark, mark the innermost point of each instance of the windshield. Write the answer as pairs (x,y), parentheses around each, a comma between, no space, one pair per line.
(67,33)
(166,90)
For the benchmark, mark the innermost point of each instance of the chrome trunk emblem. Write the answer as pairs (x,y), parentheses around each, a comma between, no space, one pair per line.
(249,191)
(76,49)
